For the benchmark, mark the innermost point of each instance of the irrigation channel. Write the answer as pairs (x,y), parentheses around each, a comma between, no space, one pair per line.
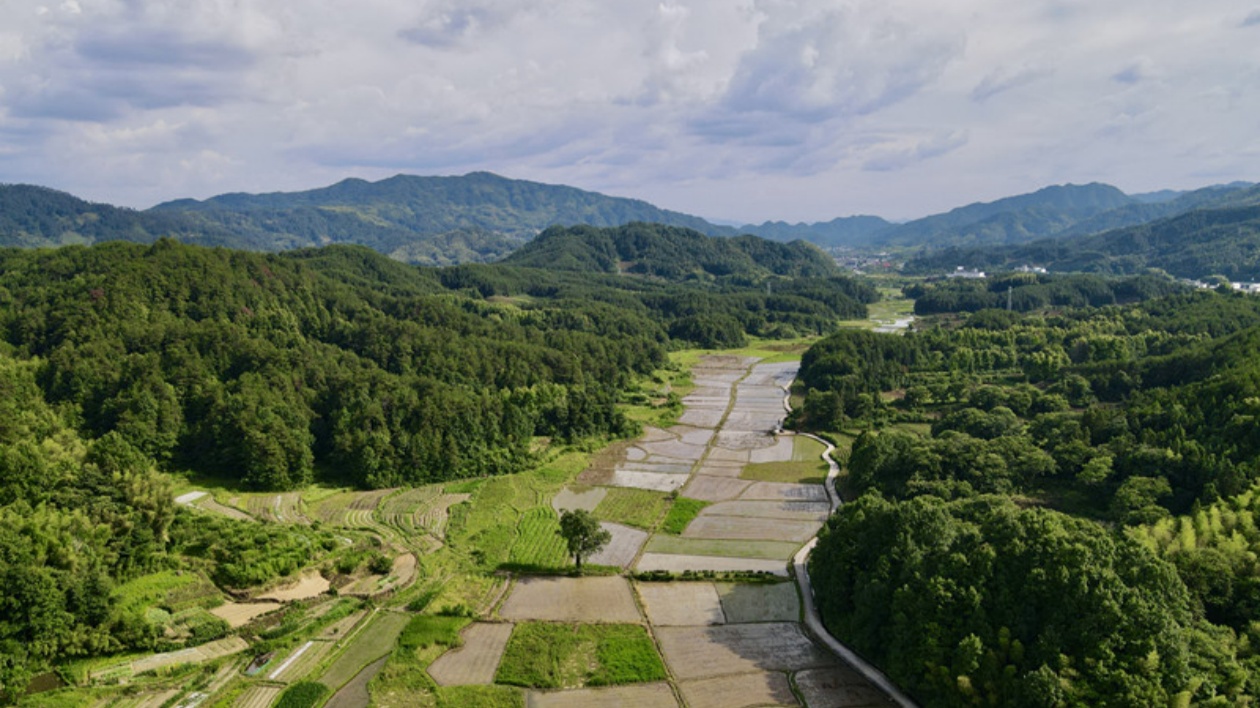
(724,643)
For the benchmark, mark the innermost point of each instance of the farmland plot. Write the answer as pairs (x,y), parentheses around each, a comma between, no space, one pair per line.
(239,614)
(713,489)
(538,541)
(600,599)
(839,687)
(574,499)
(751,528)
(681,603)
(280,508)
(648,695)
(476,661)
(623,547)
(703,652)
(258,697)
(742,691)
(209,504)
(311,584)
(372,642)
(759,602)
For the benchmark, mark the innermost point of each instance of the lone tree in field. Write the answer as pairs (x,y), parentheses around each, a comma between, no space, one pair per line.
(582,533)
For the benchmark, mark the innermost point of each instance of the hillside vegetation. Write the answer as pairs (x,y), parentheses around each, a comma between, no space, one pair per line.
(1053,508)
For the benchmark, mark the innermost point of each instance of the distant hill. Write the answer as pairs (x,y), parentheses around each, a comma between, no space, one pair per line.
(39,217)
(844,231)
(1201,242)
(431,220)
(1017,219)
(669,252)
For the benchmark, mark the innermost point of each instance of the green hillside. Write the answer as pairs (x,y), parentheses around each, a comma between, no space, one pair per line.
(669,252)
(1196,244)
(478,217)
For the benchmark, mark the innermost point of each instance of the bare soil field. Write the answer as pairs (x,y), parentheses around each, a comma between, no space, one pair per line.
(727,454)
(789,492)
(644,695)
(675,449)
(623,547)
(702,652)
(681,603)
(751,528)
(693,436)
(759,602)
(702,417)
(311,584)
(706,487)
(679,563)
(646,480)
(258,697)
(586,499)
(781,451)
(731,438)
(476,661)
(721,468)
(745,690)
(238,614)
(603,599)
(659,465)
(778,551)
(798,510)
(839,687)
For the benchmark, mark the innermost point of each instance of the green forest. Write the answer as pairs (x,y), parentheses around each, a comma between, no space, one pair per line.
(1052,505)
(124,367)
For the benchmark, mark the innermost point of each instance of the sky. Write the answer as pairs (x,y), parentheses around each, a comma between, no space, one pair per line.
(740,110)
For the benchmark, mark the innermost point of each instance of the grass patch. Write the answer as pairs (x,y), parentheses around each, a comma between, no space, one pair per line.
(786,472)
(553,655)
(305,694)
(806,449)
(770,351)
(538,542)
(424,631)
(480,697)
(632,507)
(722,547)
(172,590)
(681,513)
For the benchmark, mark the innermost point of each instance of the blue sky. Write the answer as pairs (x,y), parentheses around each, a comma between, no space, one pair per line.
(744,110)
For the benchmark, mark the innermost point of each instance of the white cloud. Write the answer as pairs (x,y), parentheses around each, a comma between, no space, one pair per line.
(748,109)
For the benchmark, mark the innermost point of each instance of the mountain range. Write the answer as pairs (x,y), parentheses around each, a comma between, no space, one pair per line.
(482,217)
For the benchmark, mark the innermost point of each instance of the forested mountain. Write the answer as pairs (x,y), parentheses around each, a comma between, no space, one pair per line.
(846,231)
(1202,242)
(1011,220)
(37,217)
(670,253)
(478,217)
(1055,508)
(416,219)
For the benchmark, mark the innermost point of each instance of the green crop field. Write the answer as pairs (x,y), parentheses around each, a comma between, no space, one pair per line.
(480,697)
(538,542)
(373,641)
(786,472)
(681,513)
(555,655)
(632,507)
